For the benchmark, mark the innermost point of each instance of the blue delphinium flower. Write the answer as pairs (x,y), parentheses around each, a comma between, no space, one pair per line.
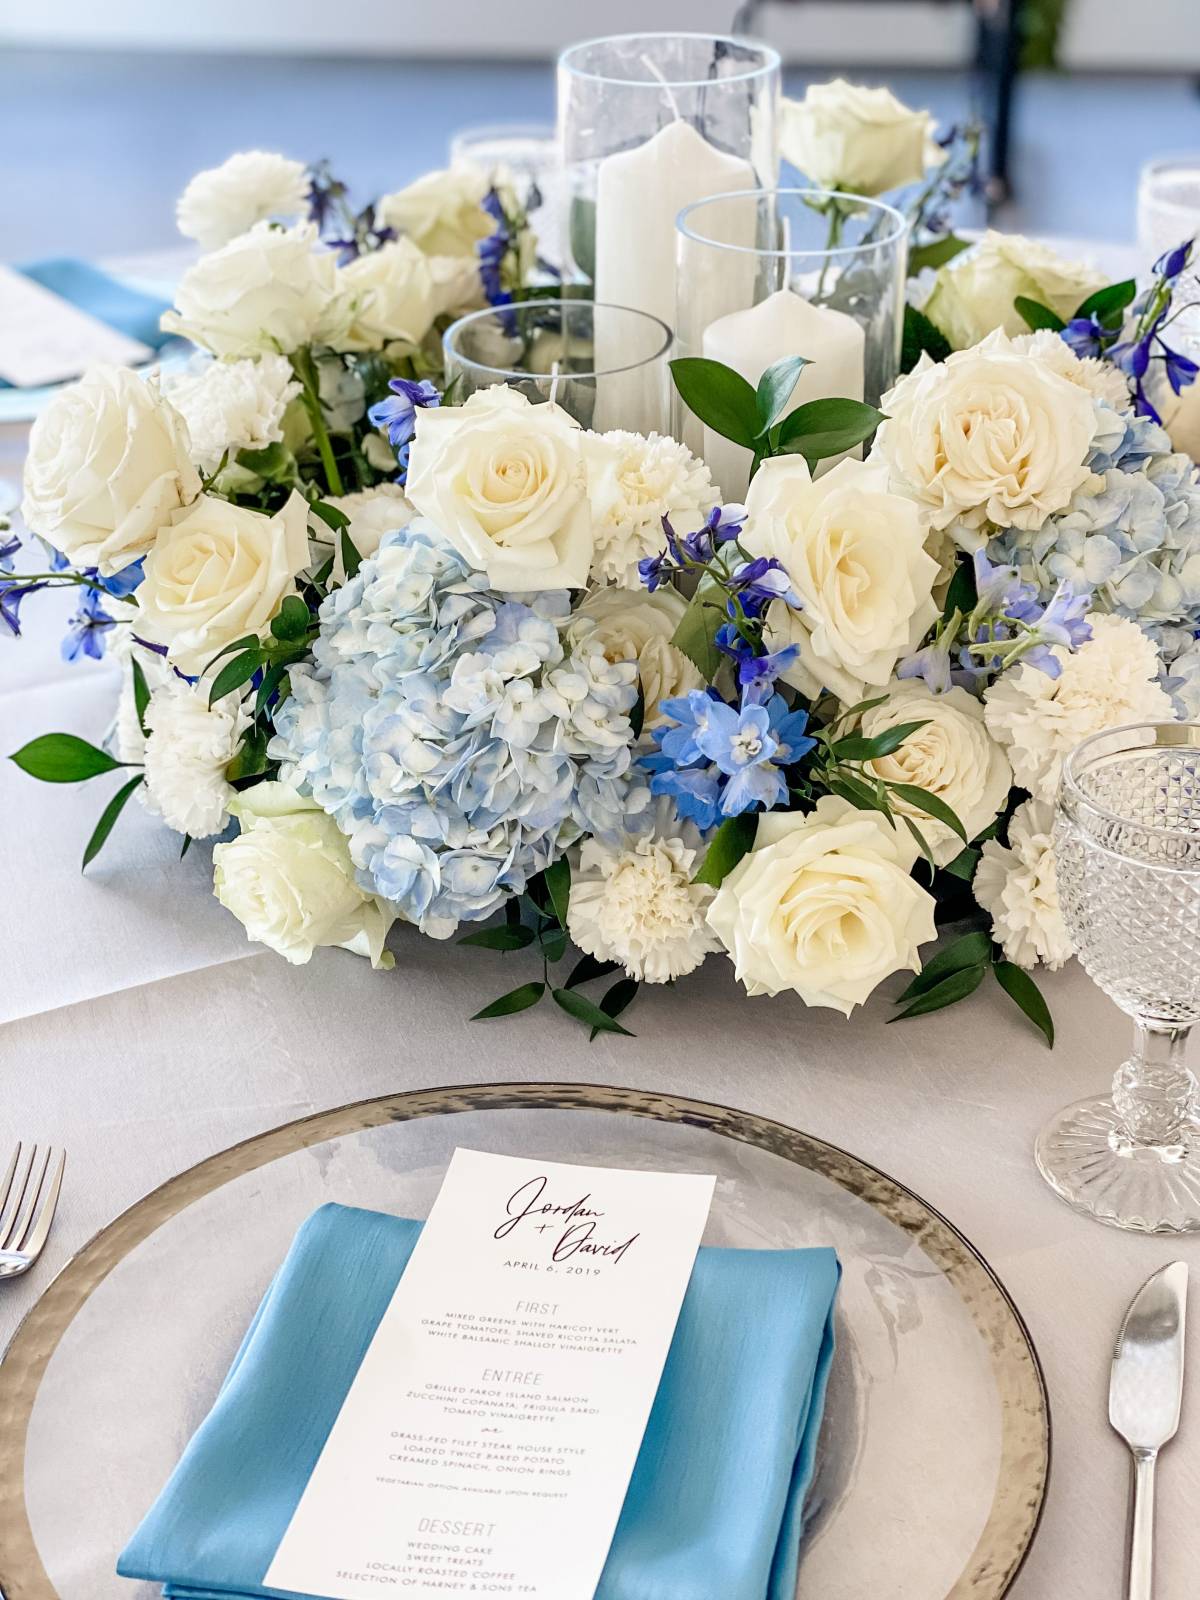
(453,735)
(756,583)
(397,415)
(87,628)
(120,585)
(687,551)
(756,672)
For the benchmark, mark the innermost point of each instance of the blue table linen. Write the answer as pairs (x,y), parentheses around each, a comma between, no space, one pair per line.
(130,311)
(715,1504)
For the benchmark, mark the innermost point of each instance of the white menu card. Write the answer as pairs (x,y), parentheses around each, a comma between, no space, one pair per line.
(46,339)
(486,1444)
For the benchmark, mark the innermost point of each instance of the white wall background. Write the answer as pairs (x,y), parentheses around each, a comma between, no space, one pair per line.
(1098,33)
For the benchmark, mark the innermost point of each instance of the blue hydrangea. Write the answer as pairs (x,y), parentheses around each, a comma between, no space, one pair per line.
(1130,537)
(453,737)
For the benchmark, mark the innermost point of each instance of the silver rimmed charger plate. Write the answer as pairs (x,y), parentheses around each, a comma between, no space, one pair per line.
(935,1448)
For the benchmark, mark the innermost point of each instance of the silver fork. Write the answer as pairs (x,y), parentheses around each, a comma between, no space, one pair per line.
(30,1199)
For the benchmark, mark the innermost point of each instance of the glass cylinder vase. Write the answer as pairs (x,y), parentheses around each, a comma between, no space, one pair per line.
(649,123)
(770,273)
(525,159)
(550,350)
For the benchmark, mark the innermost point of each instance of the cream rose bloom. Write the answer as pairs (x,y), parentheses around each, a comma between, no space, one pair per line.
(289,880)
(844,136)
(442,213)
(1018,887)
(253,186)
(987,435)
(109,461)
(505,483)
(637,626)
(267,290)
(823,904)
(856,556)
(390,296)
(953,757)
(975,293)
(219,572)
(1181,416)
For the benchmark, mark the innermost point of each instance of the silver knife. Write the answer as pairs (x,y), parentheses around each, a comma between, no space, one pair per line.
(1144,1394)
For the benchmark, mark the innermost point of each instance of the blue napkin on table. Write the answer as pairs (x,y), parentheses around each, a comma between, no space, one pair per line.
(715,1505)
(130,311)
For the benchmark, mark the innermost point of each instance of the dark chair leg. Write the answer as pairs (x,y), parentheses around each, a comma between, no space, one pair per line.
(996,62)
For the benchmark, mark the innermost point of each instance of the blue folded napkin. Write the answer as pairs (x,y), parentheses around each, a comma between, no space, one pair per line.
(128,310)
(716,1503)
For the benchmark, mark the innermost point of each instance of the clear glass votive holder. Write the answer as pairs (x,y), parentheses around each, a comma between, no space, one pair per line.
(1168,214)
(525,158)
(768,273)
(549,349)
(650,122)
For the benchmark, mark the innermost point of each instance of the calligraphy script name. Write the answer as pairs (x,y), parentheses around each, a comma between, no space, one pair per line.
(574,1223)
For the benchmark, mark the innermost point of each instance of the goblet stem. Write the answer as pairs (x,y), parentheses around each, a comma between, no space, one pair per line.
(1154,1090)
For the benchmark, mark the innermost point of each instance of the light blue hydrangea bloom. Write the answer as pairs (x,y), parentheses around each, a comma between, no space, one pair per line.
(1131,535)
(450,734)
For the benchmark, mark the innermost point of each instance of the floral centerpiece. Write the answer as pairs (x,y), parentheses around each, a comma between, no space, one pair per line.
(474,668)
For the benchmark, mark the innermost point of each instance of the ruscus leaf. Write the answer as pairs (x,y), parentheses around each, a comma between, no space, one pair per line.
(64,758)
(732,840)
(719,396)
(969,950)
(509,938)
(141,693)
(587,1011)
(519,999)
(331,516)
(235,673)
(351,559)
(823,428)
(1107,304)
(588,968)
(858,747)
(775,390)
(936,254)
(1037,315)
(558,887)
(108,817)
(952,989)
(931,804)
(1020,987)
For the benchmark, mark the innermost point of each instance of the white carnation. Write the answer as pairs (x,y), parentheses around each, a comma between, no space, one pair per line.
(1101,379)
(636,903)
(232,405)
(634,481)
(1018,887)
(1039,720)
(254,186)
(189,747)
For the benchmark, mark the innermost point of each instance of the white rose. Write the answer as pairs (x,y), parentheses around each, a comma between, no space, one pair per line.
(189,746)
(372,513)
(975,293)
(1182,418)
(844,136)
(987,435)
(267,290)
(390,295)
(232,405)
(1018,887)
(458,288)
(442,213)
(219,572)
(505,483)
(289,880)
(254,186)
(856,557)
(108,463)
(823,904)
(637,626)
(952,757)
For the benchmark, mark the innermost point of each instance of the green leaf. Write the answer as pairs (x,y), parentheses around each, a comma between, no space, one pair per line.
(719,396)
(931,804)
(273,679)
(616,999)
(554,944)
(500,938)
(558,887)
(1106,305)
(588,968)
(857,747)
(587,1011)
(954,988)
(637,717)
(330,515)
(919,838)
(697,631)
(732,840)
(1019,986)
(775,390)
(251,757)
(64,758)
(250,642)
(351,559)
(293,619)
(921,337)
(1037,315)
(519,999)
(107,817)
(276,461)
(824,428)
(961,595)
(964,864)
(235,673)
(187,845)
(141,693)
(858,793)
(971,950)
(936,254)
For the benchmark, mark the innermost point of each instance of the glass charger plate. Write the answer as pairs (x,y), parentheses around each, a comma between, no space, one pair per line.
(935,1447)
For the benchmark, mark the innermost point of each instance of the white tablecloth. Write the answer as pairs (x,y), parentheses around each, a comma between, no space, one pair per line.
(139,1029)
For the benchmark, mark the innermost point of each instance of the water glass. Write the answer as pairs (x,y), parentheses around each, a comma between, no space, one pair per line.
(525,158)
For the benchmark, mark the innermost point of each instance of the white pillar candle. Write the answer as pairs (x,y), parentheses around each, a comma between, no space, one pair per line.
(639,194)
(784,324)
